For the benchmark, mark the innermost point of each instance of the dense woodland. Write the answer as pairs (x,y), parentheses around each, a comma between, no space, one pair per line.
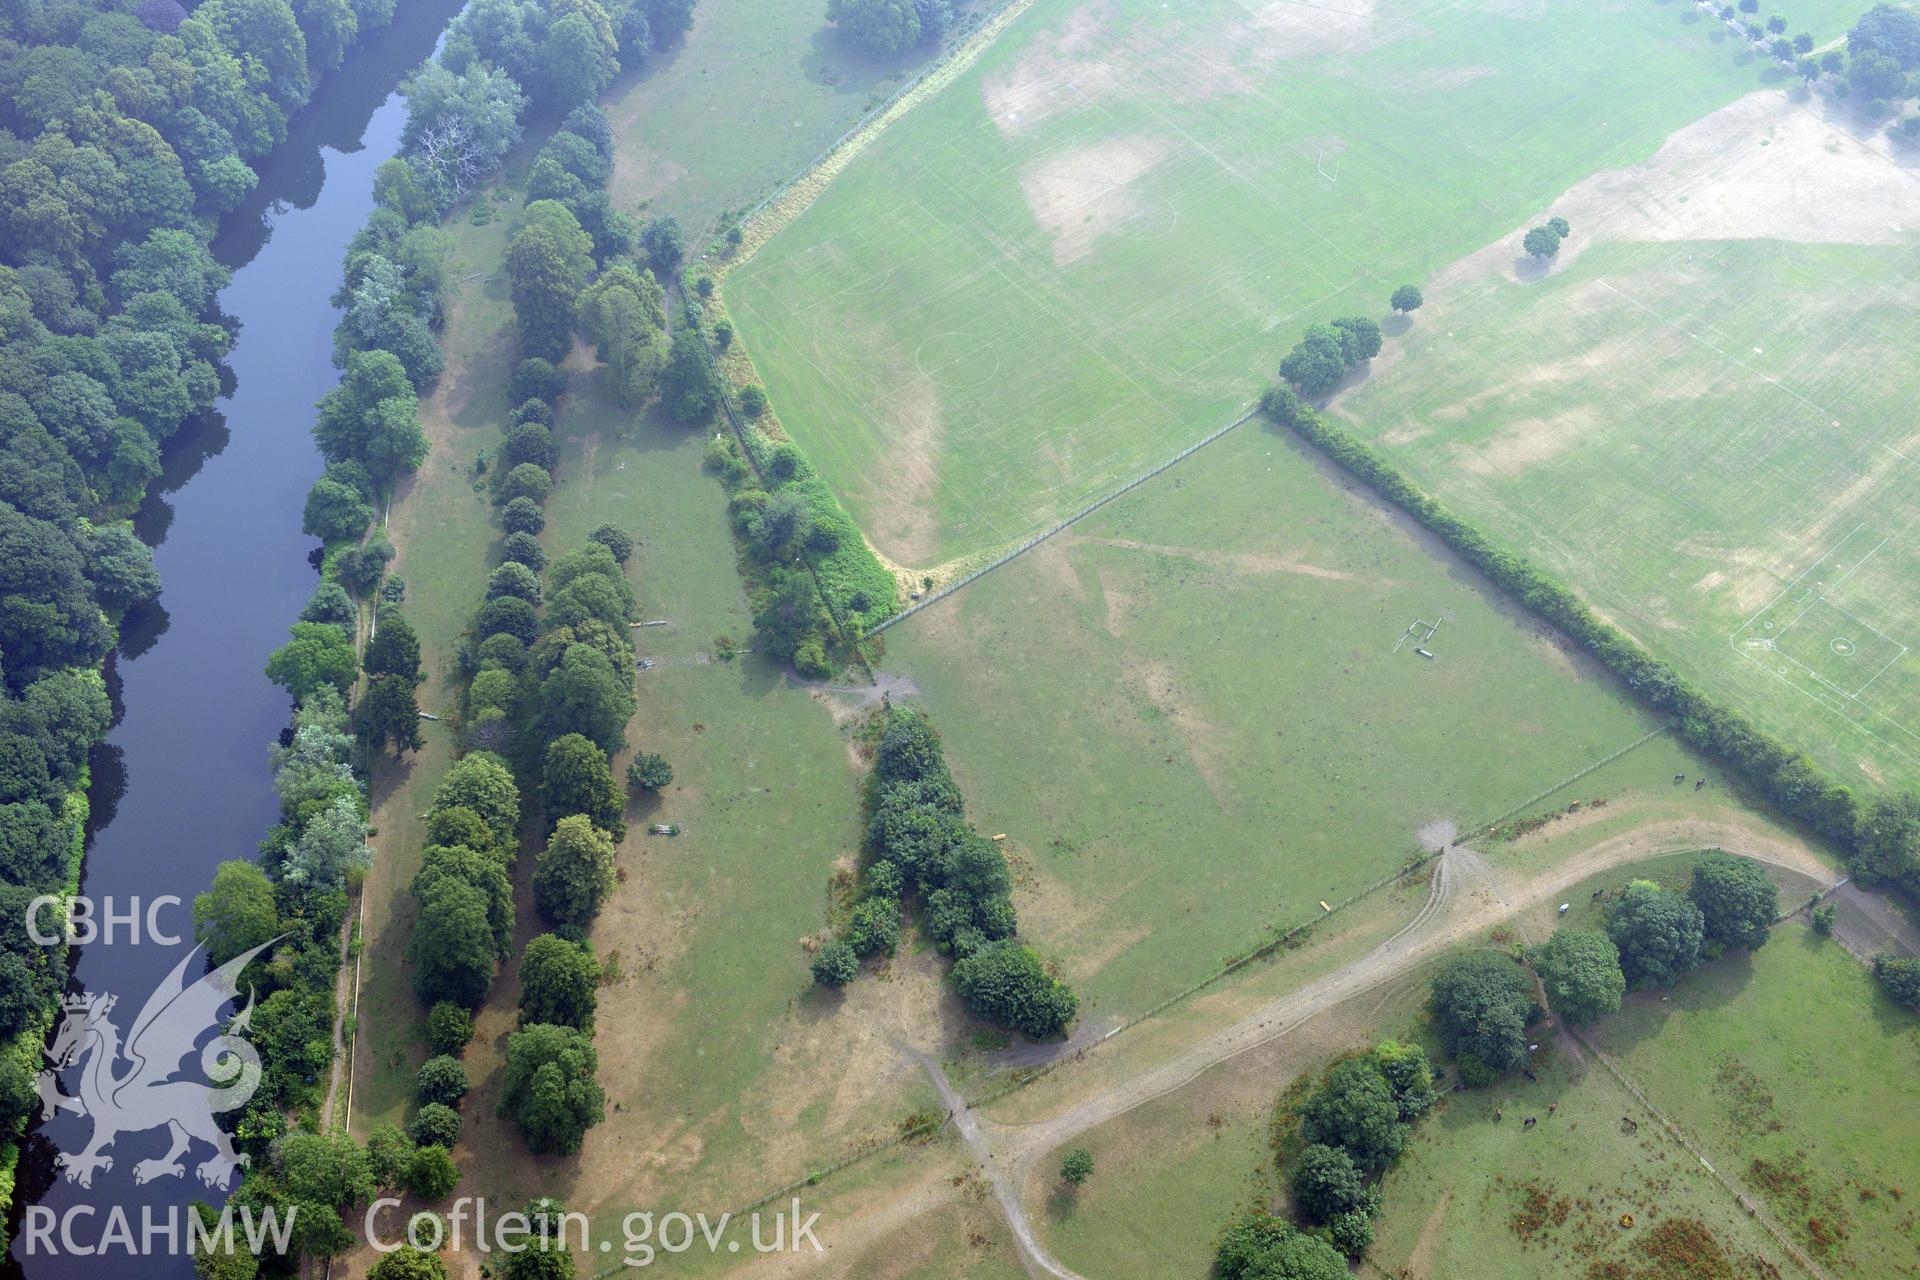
(126,131)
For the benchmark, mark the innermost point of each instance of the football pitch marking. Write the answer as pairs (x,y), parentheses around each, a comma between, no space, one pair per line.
(1822,648)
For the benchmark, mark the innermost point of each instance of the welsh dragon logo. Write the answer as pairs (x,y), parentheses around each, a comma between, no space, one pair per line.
(129,1087)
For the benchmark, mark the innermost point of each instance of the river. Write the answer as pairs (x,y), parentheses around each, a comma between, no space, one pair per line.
(182,782)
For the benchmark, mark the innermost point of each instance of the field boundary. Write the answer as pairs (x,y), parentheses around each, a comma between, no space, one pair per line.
(1675,1132)
(779,207)
(1020,549)
(1032,1075)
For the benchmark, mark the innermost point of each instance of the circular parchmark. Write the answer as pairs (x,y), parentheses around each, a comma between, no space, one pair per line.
(957,360)
(1842,646)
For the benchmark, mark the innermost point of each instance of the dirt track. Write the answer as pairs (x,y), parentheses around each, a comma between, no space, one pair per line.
(1466,900)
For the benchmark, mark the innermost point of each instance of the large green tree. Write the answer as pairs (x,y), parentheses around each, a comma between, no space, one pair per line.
(452,948)
(1738,904)
(372,417)
(318,654)
(1580,969)
(559,983)
(551,1088)
(1355,1109)
(1005,983)
(1259,1247)
(548,262)
(1659,933)
(574,873)
(1482,1002)
(882,28)
(578,779)
(237,912)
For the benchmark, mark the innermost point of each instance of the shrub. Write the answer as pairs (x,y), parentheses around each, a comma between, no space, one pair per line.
(874,926)
(431,1173)
(753,400)
(649,772)
(835,964)
(449,1027)
(1351,1233)
(441,1079)
(1006,984)
(1076,1166)
(1900,978)
(435,1125)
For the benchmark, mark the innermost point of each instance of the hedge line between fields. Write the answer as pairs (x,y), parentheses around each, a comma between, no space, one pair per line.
(1787,778)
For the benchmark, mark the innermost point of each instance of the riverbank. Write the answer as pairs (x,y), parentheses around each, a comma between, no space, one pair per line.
(183,780)
(703,930)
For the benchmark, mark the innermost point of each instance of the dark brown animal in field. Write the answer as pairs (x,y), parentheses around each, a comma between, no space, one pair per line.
(1701,783)
(1529,1122)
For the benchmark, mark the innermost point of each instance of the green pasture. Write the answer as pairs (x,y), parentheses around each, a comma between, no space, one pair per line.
(1713,442)
(715,1053)
(752,94)
(1782,1056)
(1095,246)
(1786,1057)
(1197,714)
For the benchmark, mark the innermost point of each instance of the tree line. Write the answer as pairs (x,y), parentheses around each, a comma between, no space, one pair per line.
(1483,1002)
(922,848)
(1336,1143)
(1878,65)
(126,130)
(884,28)
(462,119)
(1882,839)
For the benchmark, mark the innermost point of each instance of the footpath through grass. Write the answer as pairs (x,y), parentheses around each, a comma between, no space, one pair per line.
(1197,714)
(718,1062)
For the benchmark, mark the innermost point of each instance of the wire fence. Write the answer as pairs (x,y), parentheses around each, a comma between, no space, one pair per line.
(1016,552)
(1675,1132)
(978,35)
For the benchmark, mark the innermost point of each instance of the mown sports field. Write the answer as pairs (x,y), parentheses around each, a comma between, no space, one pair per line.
(1712,439)
(1095,245)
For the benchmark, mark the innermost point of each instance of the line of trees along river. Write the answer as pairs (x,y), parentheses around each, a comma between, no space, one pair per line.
(183,780)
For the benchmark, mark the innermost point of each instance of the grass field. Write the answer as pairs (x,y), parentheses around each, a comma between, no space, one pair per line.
(752,94)
(1096,244)
(1197,713)
(1713,441)
(1736,1056)
(1725,1057)
(705,930)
